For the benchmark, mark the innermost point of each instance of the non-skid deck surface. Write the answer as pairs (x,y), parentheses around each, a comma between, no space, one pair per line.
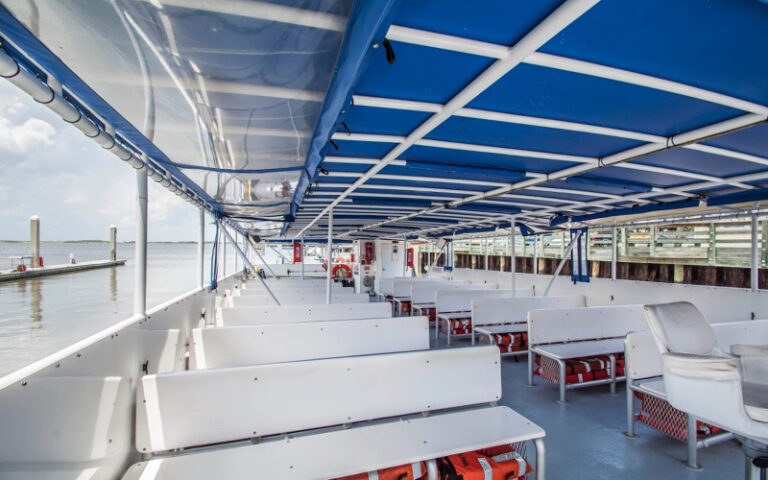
(585,439)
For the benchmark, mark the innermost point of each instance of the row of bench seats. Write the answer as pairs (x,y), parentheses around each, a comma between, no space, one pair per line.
(267,401)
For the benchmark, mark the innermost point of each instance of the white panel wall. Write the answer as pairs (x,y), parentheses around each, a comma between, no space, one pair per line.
(719,304)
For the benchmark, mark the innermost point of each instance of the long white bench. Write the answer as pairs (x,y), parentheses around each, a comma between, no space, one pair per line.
(324,399)
(423,296)
(287,342)
(297,298)
(645,378)
(504,321)
(291,290)
(453,308)
(586,340)
(243,316)
(386,288)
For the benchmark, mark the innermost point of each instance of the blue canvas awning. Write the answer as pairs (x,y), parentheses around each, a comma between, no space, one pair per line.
(468,114)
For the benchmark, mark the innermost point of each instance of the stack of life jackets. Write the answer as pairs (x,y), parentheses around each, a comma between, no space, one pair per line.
(414,471)
(508,342)
(495,463)
(459,326)
(580,370)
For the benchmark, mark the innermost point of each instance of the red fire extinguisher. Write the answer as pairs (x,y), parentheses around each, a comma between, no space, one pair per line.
(409,258)
(296,252)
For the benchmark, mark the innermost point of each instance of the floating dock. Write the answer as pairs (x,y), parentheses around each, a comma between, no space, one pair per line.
(9,275)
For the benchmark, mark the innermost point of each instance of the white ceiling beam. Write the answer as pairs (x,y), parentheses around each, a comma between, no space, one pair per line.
(564,15)
(473,47)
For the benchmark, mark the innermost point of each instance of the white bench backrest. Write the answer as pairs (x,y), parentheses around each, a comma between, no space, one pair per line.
(587,323)
(644,360)
(200,407)
(255,301)
(296,291)
(425,293)
(255,345)
(493,311)
(461,300)
(402,286)
(243,316)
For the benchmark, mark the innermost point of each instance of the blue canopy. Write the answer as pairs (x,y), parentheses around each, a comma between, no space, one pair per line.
(423,118)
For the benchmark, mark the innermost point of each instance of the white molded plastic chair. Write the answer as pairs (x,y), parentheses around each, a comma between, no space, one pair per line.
(729,390)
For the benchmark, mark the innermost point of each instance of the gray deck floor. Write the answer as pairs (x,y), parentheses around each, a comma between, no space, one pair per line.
(585,438)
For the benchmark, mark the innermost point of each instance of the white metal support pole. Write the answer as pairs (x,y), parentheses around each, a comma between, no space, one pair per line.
(250,266)
(453,251)
(754,257)
(485,250)
(201,249)
(405,256)
(235,243)
(140,272)
(562,262)
(512,256)
(329,273)
(224,255)
(535,254)
(614,253)
(302,256)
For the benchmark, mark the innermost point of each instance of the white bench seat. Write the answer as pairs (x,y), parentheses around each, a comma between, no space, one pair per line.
(654,387)
(346,452)
(571,337)
(565,351)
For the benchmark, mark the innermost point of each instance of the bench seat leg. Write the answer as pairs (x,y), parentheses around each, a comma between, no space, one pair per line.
(690,441)
(540,459)
(613,372)
(630,411)
(531,360)
(561,364)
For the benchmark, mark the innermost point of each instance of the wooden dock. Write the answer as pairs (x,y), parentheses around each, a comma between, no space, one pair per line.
(9,275)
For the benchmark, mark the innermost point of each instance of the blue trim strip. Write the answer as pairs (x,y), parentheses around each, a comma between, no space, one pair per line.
(368,24)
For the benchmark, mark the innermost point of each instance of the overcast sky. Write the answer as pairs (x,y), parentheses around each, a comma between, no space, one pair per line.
(49,168)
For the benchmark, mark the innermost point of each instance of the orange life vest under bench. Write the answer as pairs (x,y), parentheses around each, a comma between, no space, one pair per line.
(497,463)
(414,471)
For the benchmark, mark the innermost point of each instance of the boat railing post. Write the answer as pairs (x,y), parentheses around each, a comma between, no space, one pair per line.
(140,272)
(535,254)
(302,256)
(201,249)
(562,262)
(614,253)
(512,256)
(329,273)
(247,262)
(485,248)
(753,257)
(405,256)
(224,256)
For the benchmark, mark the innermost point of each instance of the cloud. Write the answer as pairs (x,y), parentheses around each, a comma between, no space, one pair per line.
(76,187)
(23,138)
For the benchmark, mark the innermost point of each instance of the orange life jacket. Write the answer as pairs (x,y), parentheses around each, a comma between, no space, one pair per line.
(414,471)
(498,463)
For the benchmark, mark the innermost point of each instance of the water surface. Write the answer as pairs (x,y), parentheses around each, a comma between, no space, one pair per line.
(39,316)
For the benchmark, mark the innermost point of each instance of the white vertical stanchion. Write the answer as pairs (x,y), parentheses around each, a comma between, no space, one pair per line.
(535,254)
(485,247)
(614,253)
(754,256)
(405,256)
(140,272)
(329,273)
(201,249)
(302,256)
(224,256)
(512,257)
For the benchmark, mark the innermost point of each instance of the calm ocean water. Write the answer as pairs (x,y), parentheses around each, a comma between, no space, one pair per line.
(42,315)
